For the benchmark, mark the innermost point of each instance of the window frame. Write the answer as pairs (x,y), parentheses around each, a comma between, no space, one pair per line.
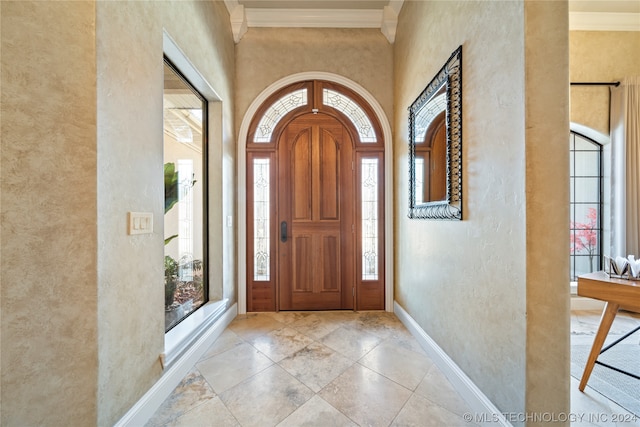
(205,187)
(573,203)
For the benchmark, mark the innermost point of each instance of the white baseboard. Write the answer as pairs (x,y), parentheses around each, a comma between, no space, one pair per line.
(479,404)
(144,409)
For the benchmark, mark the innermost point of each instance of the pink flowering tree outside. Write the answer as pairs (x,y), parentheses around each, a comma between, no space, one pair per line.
(584,236)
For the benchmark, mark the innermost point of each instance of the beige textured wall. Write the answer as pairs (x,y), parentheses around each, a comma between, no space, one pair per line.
(547,204)
(130,159)
(466,283)
(599,56)
(266,55)
(49,238)
(82,301)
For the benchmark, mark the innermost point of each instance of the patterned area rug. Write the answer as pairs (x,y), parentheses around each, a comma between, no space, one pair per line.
(622,389)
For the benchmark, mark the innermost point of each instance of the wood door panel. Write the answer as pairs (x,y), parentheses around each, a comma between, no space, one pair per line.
(315,190)
(329,171)
(301,172)
(302,263)
(331,263)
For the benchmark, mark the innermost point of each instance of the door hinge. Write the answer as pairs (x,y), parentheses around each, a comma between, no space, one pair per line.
(353,165)
(354,291)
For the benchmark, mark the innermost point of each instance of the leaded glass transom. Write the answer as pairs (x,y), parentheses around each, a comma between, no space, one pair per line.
(261,210)
(425,116)
(276,112)
(353,111)
(369,190)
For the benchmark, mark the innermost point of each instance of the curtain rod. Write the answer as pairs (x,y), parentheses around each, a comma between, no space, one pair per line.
(595,84)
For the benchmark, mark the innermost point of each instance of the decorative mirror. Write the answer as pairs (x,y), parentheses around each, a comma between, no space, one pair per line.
(435,145)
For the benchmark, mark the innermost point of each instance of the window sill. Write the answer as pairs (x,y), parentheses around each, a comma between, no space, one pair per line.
(178,339)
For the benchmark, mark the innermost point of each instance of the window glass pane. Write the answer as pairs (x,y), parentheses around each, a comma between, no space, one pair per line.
(184,147)
(585,264)
(353,111)
(261,210)
(587,163)
(369,186)
(587,189)
(584,213)
(572,186)
(277,111)
(584,144)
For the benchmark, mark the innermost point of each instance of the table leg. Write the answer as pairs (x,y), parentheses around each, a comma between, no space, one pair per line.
(609,313)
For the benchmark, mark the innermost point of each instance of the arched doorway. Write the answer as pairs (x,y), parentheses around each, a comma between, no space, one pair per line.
(315,201)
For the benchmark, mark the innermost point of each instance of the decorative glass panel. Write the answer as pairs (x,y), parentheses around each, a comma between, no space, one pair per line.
(277,111)
(425,116)
(261,208)
(353,112)
(370,219)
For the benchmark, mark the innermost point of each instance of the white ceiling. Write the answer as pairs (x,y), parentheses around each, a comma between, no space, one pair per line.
(590,15)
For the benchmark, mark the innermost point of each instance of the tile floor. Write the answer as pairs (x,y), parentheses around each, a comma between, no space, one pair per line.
(338,369)
(596,409)
(314,369)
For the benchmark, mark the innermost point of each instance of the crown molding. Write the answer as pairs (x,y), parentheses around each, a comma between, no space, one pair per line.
(385,19)
(314,18)
(604,21)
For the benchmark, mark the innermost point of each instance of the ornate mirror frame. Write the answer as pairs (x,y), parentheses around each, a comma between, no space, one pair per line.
(449,76)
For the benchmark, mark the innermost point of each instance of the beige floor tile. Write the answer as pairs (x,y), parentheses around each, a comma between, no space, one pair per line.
(289,317)
(281,343)
(379,323)
(403,366)
(404,339)
(351,343)
(192,391)
(436,388)
(227,369)
(316,365)
(316,326)
(420,412)
(211,413)
(226,341)
(366,397)
(253,384)
(316,412)
(266,398)
(253,325)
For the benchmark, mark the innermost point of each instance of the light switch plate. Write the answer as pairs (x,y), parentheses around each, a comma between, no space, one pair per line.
(140,222)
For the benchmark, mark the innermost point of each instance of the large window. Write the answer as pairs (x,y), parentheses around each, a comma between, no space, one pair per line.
(185,113)
(586,205)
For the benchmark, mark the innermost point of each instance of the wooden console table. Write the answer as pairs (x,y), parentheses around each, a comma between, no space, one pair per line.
(616,293)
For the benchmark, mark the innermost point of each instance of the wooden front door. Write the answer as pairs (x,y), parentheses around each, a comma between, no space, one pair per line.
(316,215)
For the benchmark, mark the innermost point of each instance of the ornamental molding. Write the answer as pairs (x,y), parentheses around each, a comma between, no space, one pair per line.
(243,18)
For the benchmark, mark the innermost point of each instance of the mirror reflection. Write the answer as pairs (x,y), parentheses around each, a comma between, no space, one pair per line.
(435,145)
(431,150)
